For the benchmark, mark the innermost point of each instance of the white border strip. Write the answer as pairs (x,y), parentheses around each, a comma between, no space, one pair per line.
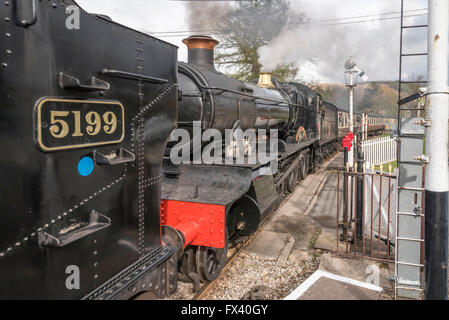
(298,292)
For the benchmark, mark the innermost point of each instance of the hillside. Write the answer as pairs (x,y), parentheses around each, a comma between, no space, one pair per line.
(373,97)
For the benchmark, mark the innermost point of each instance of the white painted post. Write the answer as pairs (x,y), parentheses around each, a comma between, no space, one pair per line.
(437,175)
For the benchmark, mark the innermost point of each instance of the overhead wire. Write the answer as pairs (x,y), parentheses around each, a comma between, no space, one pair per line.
(313,24)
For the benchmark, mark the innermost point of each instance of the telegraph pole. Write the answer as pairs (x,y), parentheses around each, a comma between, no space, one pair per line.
(437,176)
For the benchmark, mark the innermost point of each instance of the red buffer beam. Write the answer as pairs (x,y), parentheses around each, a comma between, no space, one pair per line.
(200,224)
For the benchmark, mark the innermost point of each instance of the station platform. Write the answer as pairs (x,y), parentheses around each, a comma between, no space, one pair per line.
(302,216)
(317,286)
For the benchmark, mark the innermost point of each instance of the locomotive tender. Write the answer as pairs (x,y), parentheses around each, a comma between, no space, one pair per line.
(92,206)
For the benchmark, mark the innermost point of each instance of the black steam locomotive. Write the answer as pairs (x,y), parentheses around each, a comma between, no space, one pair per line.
(92,205)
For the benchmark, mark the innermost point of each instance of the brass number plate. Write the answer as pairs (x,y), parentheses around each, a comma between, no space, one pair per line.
(64,124)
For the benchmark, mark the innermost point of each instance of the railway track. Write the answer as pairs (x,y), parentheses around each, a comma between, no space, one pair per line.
(208,286)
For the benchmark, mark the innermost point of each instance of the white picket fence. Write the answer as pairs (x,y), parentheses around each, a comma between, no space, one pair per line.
(380,150)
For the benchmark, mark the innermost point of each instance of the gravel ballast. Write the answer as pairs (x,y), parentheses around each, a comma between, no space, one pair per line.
(252,277)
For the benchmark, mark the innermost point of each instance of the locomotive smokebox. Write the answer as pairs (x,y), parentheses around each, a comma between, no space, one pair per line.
(265,80)
(201,50)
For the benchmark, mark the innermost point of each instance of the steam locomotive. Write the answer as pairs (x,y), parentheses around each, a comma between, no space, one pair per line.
(92,205)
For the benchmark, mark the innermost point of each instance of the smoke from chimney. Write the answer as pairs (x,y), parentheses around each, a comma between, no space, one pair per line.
(206,15)
(320,51)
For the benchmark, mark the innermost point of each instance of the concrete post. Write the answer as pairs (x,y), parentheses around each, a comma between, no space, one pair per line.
(437,175)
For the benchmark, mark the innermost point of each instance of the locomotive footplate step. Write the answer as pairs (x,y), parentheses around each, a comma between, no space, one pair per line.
(316,287)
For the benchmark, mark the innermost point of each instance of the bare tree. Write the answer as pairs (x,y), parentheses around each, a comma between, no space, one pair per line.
(248,26)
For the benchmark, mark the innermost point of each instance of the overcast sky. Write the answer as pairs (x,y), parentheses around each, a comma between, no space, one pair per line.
(374,45)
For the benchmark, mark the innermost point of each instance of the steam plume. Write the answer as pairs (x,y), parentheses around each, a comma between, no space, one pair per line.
(206,15)
(320,51)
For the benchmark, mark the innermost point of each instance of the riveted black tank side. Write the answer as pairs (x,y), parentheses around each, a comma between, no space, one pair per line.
(74,199)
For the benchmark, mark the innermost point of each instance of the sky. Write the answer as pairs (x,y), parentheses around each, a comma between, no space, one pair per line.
(320,51)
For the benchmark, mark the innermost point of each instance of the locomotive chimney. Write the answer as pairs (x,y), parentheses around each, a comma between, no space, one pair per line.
(265,80)
(201,50)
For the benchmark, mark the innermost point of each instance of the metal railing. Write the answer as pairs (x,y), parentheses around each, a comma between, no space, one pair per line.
(380,150)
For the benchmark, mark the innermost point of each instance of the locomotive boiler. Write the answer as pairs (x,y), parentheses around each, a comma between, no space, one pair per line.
(218,101)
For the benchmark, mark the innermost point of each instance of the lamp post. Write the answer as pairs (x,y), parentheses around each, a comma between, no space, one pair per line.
(351,75)
(351,83)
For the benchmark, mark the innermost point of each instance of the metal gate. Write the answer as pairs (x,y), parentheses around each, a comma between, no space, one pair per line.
(366,213)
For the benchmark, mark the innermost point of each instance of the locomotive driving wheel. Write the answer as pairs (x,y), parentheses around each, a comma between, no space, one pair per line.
(290,182)
(211,261)
(303,167)
(325,151)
